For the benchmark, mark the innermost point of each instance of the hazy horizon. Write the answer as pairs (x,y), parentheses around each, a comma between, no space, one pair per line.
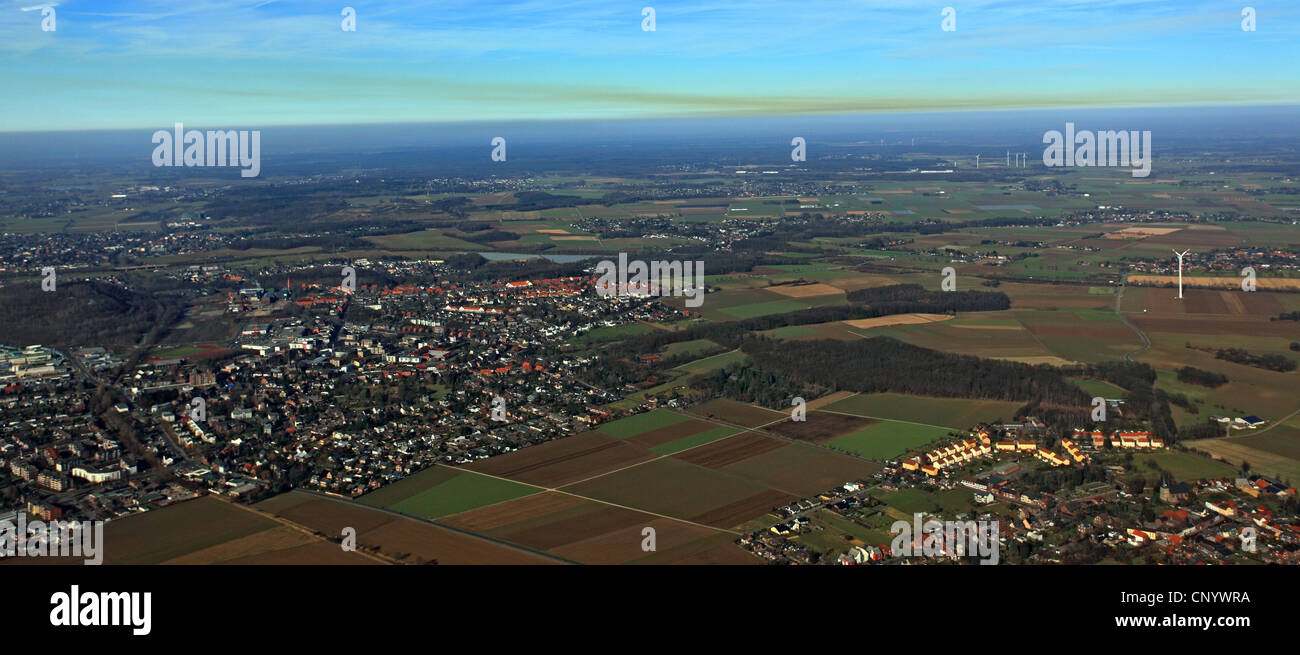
(915,131)
(116,64)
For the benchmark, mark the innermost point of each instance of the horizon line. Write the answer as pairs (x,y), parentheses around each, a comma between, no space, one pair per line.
(741,114)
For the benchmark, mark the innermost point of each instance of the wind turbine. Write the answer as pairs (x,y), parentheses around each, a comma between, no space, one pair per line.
(1180,271)
(977,161)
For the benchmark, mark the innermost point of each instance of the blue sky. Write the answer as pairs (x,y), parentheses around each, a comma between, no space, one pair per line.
(212,63)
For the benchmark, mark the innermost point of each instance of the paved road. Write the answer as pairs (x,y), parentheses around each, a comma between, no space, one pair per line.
(1119,298)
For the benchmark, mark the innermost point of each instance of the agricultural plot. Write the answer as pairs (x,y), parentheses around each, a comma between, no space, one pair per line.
(565,461)
(714,362)
(694,440)
(777,307)
(182,531)
(671,433)
(688,348)
(731,411)
(1232,284)
(800,469)
(1184,465)
(456,493)
(1232,303)
(887,439)
(398,537)
(576,528)
(1055,296)
(678,489)
(639,423)
(820,426)
(1081,335)
(717,549)
(431,239)
(954,413)
(1275,453)
(1097,388)
(735,449)
(943,503)
(1011,341)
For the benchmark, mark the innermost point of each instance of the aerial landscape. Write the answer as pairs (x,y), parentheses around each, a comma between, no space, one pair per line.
(942,332)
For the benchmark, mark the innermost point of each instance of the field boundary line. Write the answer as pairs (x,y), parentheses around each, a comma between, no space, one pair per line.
(894,420)
(598,500)
(382,559)
(438,524)
(696,361)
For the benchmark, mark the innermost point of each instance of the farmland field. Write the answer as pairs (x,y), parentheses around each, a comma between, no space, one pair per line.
(463,491)
(698,494)
(565,461)
(820,426)
(955,413)
(887,439)
(739,413)
(398,537)
(639,423)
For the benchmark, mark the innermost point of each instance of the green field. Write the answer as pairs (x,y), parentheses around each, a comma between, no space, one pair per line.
(699,439)
(1183,466)
(1098,388)
(947,503)
(640,423)
(714,362)
(887,439)
(463,491)
(956,413)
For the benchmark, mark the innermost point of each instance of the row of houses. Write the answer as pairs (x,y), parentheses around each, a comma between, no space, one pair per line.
(1127,439)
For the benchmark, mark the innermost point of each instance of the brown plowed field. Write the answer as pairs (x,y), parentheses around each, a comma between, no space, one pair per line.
(430,542)
(487,519)
(820,426)
(1229,326)
(1209,301)
(393,535)
(730,450)
(671,433)
(624,544)
(564,461)
(735,513)
(739,413)
(721,549)
(804,470)
(602,519)
(316,553)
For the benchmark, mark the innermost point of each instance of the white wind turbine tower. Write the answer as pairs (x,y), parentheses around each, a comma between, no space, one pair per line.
(977,161)
(1180,271)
